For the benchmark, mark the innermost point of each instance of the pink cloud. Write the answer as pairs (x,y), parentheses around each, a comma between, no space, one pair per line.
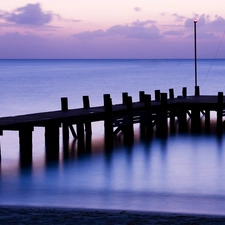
(136,30)
(30,14)
(173,33)
(205,21)
(137,9)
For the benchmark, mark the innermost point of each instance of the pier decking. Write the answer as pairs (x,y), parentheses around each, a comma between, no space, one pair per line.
(152,115)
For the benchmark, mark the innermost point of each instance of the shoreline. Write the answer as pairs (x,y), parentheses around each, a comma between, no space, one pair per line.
(80,216)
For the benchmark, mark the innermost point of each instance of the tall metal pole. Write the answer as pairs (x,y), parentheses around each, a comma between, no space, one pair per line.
(195,49)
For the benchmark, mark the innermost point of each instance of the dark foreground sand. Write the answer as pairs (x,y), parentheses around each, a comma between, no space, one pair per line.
(39,215)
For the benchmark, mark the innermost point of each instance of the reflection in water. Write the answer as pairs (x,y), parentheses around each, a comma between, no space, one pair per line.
(181,173)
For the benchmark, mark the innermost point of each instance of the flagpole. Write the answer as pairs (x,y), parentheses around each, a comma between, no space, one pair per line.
(195,52)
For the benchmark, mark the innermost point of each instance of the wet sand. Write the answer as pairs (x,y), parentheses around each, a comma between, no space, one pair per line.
(45,215)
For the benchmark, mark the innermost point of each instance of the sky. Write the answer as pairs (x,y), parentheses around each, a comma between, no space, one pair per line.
(116,29)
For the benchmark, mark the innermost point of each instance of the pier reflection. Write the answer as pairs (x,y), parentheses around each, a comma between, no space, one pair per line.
(137,176)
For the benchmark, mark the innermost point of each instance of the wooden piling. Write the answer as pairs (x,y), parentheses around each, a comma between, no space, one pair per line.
(157,94)
(108,122)
(220,113)
(80,137)
(207,121)
(195,114)
(141,96)
(148,120)
(52,140)
(65,126)
(162,123)
(197,91)
(128,130)
(171,93)
(182,118)
(172,112)
(25,141)
(124,97)
(184,92)
(88,129)
(142,117)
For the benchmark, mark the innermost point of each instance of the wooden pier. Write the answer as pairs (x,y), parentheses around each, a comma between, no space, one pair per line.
(161,115)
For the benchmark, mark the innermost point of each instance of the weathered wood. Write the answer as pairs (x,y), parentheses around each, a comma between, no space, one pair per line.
(128,130)
(108,122)
(195,114)
(116,115)
(124,97)
(141,96)
(88,128)
(220,113)
(142,117)
(182,118)
(195,120)
(157,94)
(172,113)
(65,126)
(52,140)
(171,93)
(184,92)
(207,121)
(149,128)
(64,104)
(80,136)
(25,141)
(162,123)
(197,91)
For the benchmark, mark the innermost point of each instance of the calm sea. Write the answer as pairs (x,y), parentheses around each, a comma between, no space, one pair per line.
(183,173)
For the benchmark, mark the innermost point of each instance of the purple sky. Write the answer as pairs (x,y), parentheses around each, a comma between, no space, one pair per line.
(113,30)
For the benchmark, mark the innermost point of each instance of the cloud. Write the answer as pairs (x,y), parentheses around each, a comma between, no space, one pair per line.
(90,34)
(143,23)
(137,9)
(206,21)
(173,33)
(30,14)
(17,37)
(179,18)
(203,35)
(136,30)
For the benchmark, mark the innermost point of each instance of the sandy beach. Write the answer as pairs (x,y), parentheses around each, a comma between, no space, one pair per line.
(45,215)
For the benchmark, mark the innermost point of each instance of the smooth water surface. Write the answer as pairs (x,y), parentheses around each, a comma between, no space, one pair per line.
(182,173)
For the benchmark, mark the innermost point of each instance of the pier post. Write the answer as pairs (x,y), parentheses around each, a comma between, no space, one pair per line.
(108,123)
(172,112)
(65,126)
(207,121)
(141,96)
(157,94)
(142,117)
(197,91)
(124,97)
(182,114)
(25,141)
(80,136)
(220,113)
(195,114)
(184,92)
(88,128)
(162,124)
(149,128)
(171,93)
(128,130)
(52,140)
